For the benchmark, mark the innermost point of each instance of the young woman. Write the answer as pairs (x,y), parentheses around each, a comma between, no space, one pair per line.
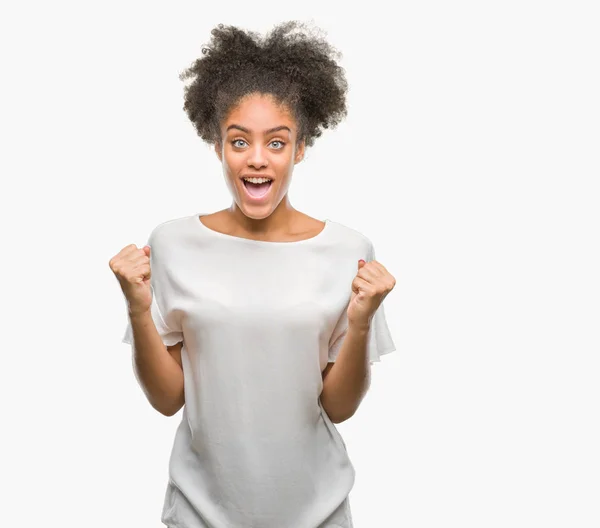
(262,320)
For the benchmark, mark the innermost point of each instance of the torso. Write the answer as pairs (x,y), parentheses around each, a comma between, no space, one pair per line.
(254,446)
(304,227)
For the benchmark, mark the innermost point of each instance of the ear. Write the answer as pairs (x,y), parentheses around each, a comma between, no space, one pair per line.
(218,150)
(300,148)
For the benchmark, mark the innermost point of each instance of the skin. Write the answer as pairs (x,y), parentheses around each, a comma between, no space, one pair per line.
(256,151)
(346,381)
(247,146)
(273,154)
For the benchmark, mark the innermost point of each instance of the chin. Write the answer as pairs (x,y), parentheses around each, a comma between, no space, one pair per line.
(253,215)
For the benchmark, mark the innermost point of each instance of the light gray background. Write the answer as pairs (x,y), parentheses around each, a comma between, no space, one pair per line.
(469,157)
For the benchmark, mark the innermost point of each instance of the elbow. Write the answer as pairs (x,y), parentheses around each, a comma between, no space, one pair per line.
(168,409)
(341,408)
(340,417)
(340,412)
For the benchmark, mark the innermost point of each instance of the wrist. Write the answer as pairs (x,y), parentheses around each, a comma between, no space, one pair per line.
(359,328)
(139,314)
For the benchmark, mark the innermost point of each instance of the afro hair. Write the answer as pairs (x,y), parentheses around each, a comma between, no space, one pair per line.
(294,65)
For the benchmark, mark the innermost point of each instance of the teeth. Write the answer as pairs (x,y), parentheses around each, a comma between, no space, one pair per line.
(257,180)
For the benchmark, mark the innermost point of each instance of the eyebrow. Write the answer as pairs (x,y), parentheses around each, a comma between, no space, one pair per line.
(270,131)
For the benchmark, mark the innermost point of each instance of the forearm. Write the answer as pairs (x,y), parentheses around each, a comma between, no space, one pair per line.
(348,380)
(157,372)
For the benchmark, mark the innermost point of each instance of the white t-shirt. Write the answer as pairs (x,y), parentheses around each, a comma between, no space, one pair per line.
(259,321)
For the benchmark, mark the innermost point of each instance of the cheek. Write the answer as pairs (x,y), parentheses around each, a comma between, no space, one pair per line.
(232,161)
(284,161)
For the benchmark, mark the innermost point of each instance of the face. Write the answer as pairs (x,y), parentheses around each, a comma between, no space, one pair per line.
(258,139)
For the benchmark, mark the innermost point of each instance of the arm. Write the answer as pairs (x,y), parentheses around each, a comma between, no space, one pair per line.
(157,367)
(346,381)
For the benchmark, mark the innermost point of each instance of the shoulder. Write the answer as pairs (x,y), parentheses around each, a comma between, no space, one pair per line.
(353,237)
(168,231)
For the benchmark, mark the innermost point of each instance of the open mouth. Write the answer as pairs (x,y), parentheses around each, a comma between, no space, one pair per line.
(257,191)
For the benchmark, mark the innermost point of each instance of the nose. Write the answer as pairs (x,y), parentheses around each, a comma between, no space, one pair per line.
(257,157)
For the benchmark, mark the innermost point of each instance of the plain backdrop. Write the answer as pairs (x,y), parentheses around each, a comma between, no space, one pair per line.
(469,157)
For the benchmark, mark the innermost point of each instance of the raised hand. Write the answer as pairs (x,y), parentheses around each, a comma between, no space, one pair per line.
(131,266)
(370,286)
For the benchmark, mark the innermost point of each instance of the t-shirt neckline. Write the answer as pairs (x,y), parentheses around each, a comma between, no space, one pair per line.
(234,238)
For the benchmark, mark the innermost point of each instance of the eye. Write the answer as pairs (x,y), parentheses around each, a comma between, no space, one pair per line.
(281,143)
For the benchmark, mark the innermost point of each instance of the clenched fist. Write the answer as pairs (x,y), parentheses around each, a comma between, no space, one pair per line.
(131,266)
(370,286)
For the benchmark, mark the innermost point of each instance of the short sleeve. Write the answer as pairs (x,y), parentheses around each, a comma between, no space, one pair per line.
(380,340)
(166,323)
(169,336)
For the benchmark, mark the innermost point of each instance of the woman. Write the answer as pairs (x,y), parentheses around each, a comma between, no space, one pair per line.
(261,319)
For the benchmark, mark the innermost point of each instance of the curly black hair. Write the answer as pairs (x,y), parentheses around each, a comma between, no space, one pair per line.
(297,68)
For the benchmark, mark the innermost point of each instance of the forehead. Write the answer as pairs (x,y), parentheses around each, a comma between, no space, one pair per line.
(260,112)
